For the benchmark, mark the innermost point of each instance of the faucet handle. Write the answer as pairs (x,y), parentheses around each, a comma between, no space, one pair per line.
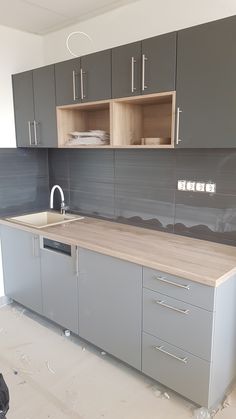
(64,207)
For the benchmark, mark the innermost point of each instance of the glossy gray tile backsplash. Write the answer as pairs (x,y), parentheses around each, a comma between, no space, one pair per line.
(24,180)
(139,187)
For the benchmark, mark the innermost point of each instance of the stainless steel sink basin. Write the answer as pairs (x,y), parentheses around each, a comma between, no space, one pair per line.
(44,219)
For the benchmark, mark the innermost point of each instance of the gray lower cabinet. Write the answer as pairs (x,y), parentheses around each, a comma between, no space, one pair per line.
(206,88)
(35,108)
(59,283)
(21,267)
(186,347)
(110,305)
(183,372)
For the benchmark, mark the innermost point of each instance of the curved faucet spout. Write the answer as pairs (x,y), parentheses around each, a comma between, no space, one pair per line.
(52,196)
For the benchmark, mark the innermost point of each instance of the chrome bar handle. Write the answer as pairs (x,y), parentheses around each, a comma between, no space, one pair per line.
(77,261)
(175,284)
(34,252)
(144,59)
(163,304)
(30,136)
(178,140)
(133,61)
(36,142)
(82,83)
(161,349)
(74,74)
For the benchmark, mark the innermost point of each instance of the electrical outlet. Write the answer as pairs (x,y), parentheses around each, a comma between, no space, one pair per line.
(182,185)
(210,187)
(200,187)
(190,186)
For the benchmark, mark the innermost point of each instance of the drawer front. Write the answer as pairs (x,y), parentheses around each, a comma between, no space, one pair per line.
(178,323)
(182,372)
(180,288)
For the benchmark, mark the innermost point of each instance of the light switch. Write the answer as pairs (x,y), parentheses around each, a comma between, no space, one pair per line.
(182,185)
(200,187)
(190,186)
(210,187)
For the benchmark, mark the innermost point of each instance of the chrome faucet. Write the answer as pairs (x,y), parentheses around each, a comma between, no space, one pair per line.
(64,207)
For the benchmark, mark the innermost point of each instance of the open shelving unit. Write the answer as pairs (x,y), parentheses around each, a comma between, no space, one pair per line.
(128,121)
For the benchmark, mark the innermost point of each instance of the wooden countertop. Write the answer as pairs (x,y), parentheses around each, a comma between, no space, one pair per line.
(201,261)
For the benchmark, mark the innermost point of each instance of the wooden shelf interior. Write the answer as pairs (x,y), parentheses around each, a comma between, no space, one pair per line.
(143,117)
(82,117)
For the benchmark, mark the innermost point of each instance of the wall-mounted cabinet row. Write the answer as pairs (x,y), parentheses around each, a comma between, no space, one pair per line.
(198,63)
(144,317)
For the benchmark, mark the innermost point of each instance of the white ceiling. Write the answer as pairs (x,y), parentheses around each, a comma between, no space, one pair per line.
(44,16)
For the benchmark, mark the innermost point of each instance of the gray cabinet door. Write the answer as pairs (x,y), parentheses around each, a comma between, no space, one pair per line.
(23,107)
(45,130)
(159,63)
(110,295)
(21,267)
(206,88)
(67,76)
(60,288)
(126,70)
(96,76)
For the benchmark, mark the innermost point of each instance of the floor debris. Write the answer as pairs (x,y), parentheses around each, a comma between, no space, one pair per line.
(103,353)
(49,368)
(166,396)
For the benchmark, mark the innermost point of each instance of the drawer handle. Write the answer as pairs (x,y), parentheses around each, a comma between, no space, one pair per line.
(162,279)
(179,310)
(161,349)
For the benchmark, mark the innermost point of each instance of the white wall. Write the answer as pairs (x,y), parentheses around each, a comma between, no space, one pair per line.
(19,51)
(135,21)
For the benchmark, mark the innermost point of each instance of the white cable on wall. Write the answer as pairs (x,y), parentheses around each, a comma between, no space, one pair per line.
(76,33)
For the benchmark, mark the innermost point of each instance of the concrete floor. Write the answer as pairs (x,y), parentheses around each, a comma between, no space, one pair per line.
(51,376)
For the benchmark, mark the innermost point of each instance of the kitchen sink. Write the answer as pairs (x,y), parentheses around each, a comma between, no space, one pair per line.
(44,219)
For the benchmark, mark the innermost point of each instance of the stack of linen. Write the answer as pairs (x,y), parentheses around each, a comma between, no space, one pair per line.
(97,137)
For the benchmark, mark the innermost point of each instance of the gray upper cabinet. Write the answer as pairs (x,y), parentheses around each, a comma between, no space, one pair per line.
(84,79)
(126,70)
(21,267)
(159,63)
(59,283)
(23,106)
(206,88)
(67,76)
(110,305)
(96,76)
(144,67)
(35,108)
(45,129)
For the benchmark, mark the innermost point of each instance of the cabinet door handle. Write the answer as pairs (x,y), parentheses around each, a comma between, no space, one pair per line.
(178,140)
(133,61)
(175,284)
(77,261)
(144,59)
(34,247)
(163,304)
(161,349)
(30,135)
(74,74)
(36,142)
(82,83)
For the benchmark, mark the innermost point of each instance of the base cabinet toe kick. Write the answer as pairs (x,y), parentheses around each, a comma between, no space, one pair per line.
(179,332)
